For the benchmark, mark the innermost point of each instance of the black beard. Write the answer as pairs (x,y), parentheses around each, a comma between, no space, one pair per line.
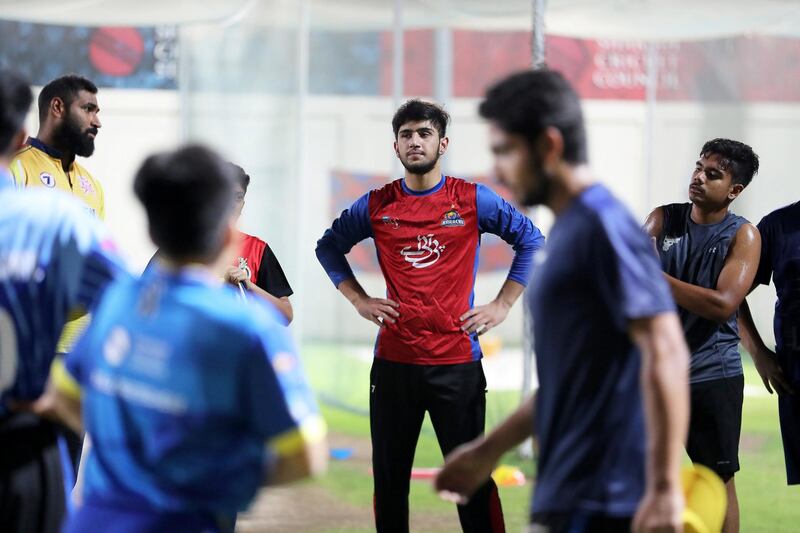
(78,142)
(422,167)
(539,193)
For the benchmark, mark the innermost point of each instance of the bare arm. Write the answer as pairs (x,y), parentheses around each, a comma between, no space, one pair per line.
(654,224)
(764,358)
(309,461)
(60,401)
(734,282)
(469,466)
(665,390)
(483,318)
(283,304)
(299,454)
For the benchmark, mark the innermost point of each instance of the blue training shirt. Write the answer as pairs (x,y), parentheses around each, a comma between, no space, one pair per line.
(55,260)
(780,261)
(597,272)
(183,384)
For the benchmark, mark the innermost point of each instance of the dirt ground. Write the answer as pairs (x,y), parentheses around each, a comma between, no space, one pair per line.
(311,508)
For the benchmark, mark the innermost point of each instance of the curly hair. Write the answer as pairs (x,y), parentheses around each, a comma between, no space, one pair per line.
(736,157)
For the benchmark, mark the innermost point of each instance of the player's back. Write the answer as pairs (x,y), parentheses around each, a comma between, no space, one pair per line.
(176,391)
(596,273)
(780,260)
(53,261)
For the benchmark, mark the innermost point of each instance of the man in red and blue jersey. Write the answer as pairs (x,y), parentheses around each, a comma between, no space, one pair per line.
(427,230)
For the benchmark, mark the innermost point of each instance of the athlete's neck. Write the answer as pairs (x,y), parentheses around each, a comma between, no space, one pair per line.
(701,215)
(46,135)
(567,186)
(423,182)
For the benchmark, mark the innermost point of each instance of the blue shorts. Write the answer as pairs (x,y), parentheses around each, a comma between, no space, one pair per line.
(102,517)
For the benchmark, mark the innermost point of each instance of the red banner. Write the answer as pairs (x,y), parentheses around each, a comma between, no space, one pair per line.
(756,68)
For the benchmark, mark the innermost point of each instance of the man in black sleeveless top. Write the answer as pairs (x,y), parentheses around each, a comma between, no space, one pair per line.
(710,257)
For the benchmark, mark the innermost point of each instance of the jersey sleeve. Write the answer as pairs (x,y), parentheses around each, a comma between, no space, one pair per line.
(633,284)
(765,266)
(18,173)
(500,218)
(280,405)
(64,376)
(352,227)
(271,277)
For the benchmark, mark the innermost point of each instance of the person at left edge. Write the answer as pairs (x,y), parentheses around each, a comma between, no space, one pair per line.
(68,125)
(54,260)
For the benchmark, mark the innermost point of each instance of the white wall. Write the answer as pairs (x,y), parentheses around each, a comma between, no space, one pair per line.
(354,133)
(134,124)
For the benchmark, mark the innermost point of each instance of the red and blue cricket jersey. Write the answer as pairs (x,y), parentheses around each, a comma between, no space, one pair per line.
(427,244)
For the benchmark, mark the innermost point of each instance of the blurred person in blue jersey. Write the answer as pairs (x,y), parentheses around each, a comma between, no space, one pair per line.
(611,412)
(55,260)
(255,268)
(710,256)
(193,398)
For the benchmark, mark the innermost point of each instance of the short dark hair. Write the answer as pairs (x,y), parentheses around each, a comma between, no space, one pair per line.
(241,176)
(67,88)
(188,195)
(417,110)
(737,157)
(527,102)
(15,100)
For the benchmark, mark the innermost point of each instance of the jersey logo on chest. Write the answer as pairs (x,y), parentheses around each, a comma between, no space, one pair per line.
(426,253)
(86,185)
(390,221)
(669,242)
(452,218)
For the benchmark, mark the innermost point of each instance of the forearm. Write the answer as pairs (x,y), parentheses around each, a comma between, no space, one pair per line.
(748,332)
(283,304)
(512,432)
(664,382)
(510,292)
(62,397)
(710,304)
(311,460)
(352,290)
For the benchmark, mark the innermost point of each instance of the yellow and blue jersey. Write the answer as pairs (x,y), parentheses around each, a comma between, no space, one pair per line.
(54,260)
(182,385)
(39,165)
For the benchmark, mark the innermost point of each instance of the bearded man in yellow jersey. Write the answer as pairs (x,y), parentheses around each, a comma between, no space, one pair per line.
(68,125)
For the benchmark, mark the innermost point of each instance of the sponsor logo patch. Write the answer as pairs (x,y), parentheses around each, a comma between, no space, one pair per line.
(452,218)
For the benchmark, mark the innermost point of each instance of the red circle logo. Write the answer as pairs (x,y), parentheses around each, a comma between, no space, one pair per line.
(116,51)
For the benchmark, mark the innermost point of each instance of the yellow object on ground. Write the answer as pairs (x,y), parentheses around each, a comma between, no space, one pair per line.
(508,476)
(706,500)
